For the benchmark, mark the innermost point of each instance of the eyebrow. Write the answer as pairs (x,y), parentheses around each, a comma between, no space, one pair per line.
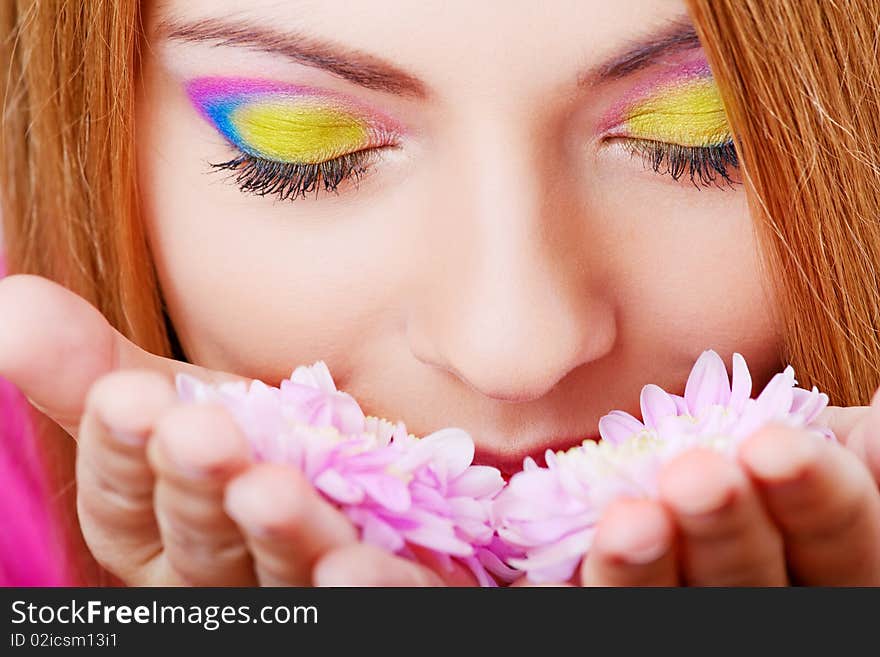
(677,36)
(360,68)
(371,72)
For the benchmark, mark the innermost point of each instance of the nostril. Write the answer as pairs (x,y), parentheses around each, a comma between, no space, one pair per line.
(510,366)
(515,386)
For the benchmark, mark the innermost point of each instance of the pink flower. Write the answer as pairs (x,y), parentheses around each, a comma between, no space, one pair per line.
(408,494)
(399,491)
(549,514)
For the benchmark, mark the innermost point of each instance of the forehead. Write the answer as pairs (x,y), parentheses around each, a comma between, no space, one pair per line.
(454,45)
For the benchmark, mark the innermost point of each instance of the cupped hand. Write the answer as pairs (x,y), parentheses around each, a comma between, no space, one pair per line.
(793,509)
(167,492)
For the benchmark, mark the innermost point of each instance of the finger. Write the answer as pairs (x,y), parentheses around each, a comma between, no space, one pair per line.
(871,441)
(115,481)
(864,439)
(633,546)
(360,564)
(45,325)
(286,523)
(195,451)
(726,538)
(842,420)
(823,499)
(450,571)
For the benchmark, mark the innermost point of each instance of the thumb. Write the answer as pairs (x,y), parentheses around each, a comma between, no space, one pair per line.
(54,345)
(845,421)
(858,428)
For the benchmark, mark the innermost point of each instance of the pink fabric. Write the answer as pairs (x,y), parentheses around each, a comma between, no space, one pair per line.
(29,548)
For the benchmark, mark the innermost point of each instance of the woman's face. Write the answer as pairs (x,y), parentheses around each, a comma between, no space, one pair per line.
(507,249)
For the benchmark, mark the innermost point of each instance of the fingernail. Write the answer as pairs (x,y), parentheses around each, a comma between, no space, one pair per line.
(129,438)
(634,544)
(254,530)
(783,459)
(691,494)
(239,503)
(644,555)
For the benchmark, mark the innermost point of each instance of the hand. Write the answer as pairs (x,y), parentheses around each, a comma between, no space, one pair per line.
(793,509)
(167,491)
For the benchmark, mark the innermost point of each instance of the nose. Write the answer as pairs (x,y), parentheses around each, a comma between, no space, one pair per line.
(508,301)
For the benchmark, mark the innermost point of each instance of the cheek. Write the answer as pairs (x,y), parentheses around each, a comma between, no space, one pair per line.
(688,278)
(257,299)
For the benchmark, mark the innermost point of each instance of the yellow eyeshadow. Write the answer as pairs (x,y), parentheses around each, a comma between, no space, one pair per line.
(691,114)
(306,134)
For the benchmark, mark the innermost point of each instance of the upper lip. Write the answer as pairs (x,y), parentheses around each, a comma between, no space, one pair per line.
(510,461)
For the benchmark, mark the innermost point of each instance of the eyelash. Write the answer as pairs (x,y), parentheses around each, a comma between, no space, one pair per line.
(292,180)
(704,165)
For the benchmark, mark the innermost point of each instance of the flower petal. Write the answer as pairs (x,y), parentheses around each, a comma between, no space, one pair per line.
(707,384)
(375,530)
(346,413)
(618,427)
(776,398)
(450,451)
(494,564)
(337,487)
(477,481)
(741,388)
(386,490)
(444,542)
(655,404)
(314,376)
(557,562)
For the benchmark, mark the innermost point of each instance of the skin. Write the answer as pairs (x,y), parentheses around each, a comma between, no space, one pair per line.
(505,268)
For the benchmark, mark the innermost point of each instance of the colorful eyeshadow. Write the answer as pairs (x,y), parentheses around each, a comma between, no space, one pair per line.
(284,123)
(683,108)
